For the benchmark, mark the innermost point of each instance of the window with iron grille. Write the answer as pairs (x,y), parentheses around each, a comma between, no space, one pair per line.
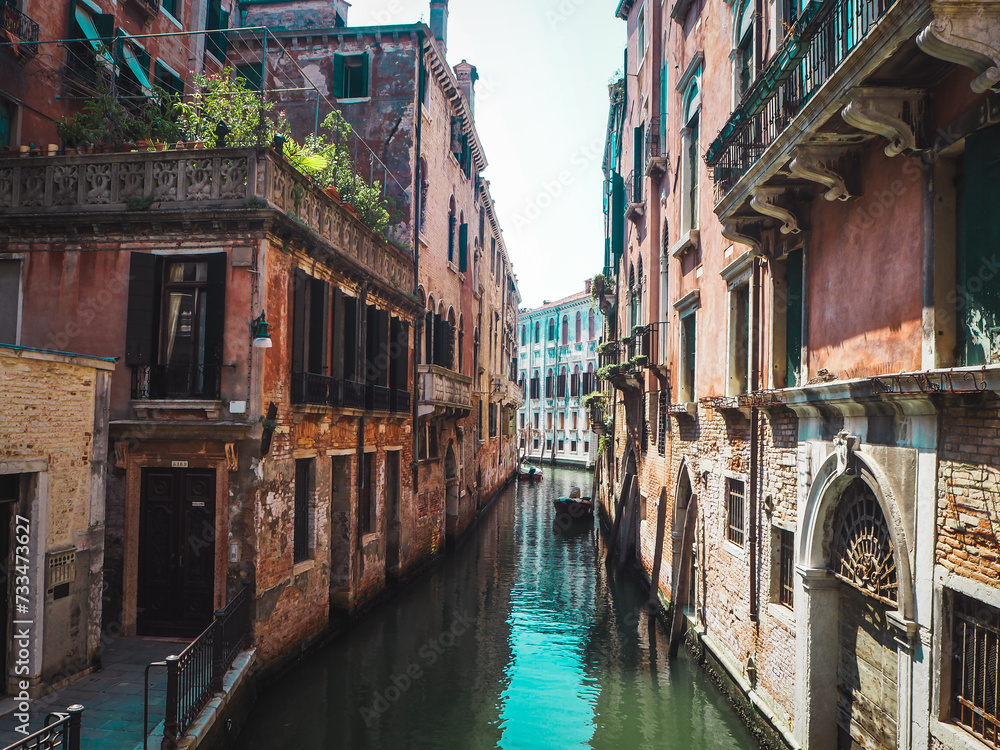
(974,676)
(303,489)
(662,426)
(786,567)
(735,510)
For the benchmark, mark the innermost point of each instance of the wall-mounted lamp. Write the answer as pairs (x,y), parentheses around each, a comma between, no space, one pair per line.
(261,336)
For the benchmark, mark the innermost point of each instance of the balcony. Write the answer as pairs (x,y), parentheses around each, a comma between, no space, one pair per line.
(442,392)
(158,390)
(150,7)
(657,159)
(20,28)
(158,185)
(821,39)
(634,205)
(320,390)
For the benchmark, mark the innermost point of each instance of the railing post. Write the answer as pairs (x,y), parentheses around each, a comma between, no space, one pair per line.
(218,645)
(74,727)
(170,719)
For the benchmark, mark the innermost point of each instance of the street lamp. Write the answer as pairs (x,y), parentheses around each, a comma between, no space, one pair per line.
(260,333)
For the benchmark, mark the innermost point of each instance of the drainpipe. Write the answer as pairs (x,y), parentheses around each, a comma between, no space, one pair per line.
(754,441)
(418,328)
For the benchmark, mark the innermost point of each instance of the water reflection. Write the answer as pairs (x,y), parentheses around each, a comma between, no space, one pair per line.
(521,639)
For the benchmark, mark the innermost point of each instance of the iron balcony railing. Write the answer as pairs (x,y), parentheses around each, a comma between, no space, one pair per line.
(656,149)
(401,401)
(150,7)
(309,388)
(633,189)
(354,395)
(22,28)
(378,398)
(195,675)
(176,382)
(822,37)
(61,732)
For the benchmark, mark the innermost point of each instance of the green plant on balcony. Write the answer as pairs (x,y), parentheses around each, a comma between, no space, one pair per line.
(594,399)
(638,362)
(597,285)
(608,371)
(607,347)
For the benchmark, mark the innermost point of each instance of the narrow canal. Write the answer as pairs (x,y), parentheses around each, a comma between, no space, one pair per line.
(521,639)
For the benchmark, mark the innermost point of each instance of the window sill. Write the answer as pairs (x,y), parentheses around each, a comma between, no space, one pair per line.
(782,614)
(143,407)
(303,566)
(170,17)
(354,100)
(689,241)
(954,736)
(734,549)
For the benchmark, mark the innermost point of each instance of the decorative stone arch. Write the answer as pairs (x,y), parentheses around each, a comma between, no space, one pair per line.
(683,490)
(815,543)
(421,295)
(819,598)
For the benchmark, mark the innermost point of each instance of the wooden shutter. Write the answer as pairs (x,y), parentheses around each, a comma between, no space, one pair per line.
(371,345)
(337,334)
(365,66)
(300,293)
(979,238)
(399,349)
(793,319)
(215,307)
(617,217)
(350,330)
(338,76)
(143,308)
(463,247)
(318,315)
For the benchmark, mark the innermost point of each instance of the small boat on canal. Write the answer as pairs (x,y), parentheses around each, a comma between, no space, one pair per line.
(530,473)
(576,507)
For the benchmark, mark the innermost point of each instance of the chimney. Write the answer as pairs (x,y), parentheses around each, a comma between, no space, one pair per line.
(586,285)
(467,76)
(439,22)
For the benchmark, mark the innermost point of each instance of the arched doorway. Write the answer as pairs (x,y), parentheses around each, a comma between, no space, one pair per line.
(862,559)
(857,604)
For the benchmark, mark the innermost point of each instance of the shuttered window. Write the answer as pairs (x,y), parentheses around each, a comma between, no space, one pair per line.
(216,22)
(303,492)
(351,76)
(463,248)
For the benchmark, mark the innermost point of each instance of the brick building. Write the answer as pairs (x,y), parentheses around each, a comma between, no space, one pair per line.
(558,359)
(394,85)
(53,445)
(799,245)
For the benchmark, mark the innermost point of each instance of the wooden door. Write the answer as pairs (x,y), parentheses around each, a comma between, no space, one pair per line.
(176,552)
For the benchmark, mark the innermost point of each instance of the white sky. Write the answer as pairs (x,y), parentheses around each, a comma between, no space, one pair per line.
(541,112)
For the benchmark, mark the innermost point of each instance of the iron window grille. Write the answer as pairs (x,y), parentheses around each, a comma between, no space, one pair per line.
(975,684)
(735,510)
(303,488)
(786,556)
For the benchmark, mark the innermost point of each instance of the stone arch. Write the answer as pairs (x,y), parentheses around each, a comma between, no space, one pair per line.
(684,486)
(421,294)
(815,540)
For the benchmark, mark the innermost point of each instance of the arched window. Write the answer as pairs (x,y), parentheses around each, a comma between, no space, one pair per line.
(574,382)
(640,286)
(743,46)
(579,326)
(524,335)
(691,161)
(552,329)
(589,386)
(590,324)
(452,228)
(549,384)
(461,343)
(538,331)
(424,184)
(565,330)
(633,300)
(561,386)
(535,383)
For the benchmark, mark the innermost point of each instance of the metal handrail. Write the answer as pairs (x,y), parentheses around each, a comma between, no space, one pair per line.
(63,733)
(21,26)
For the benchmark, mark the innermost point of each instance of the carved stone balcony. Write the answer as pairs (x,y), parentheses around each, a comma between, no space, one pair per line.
(152,186)
(442,392)
(510,392)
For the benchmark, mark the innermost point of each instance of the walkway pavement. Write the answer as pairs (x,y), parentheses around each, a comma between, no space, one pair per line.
(112,697)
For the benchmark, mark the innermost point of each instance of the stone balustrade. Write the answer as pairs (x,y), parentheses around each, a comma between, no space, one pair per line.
(148,182)
(442,390)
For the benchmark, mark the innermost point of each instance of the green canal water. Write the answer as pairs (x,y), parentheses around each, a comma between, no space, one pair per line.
(521,639)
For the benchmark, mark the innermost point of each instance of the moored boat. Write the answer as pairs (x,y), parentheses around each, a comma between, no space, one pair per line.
(575,507)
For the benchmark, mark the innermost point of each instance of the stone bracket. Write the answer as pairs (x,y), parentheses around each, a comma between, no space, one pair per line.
(765,200)
(899,115)
(746,231)
(966,33)
(834,168)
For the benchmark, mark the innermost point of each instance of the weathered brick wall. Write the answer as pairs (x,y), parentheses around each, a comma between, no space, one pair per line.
(968,493)
(55,410)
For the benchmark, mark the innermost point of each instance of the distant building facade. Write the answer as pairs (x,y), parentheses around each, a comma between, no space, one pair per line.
(557,359)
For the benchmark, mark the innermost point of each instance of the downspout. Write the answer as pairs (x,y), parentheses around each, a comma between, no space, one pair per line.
(418,328)
(754,440)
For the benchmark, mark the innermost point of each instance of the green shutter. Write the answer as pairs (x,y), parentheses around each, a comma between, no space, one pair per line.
(338,76)
(978,239)
(617,217)
(793,320)
(664,94)
(250,72)
(463,248)
(365,63)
